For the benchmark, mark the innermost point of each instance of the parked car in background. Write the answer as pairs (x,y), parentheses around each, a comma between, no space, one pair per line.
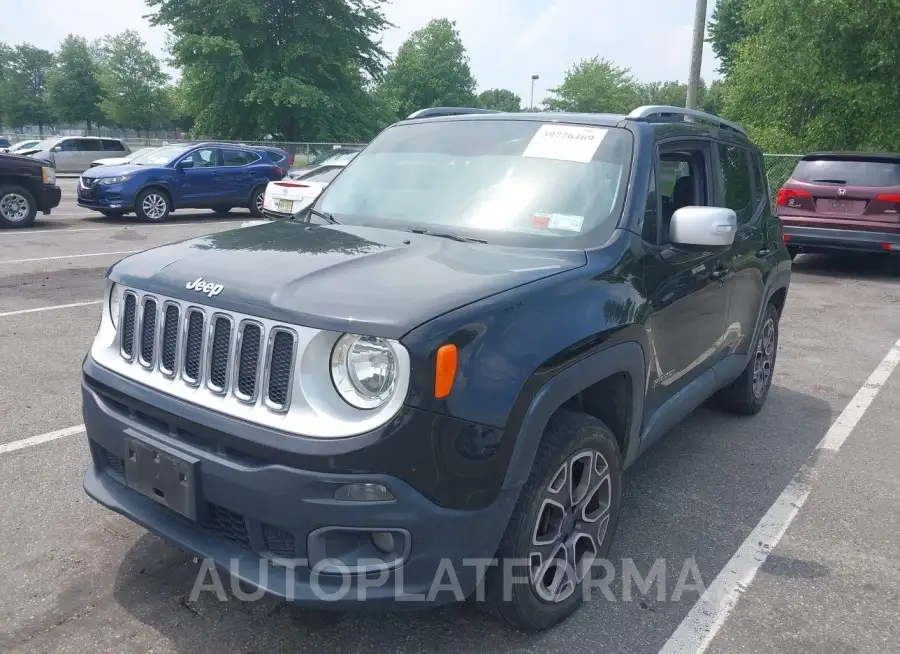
(286,197)
(330,157)
(4,143)
(846,201)
(26,187)
(198,176)
(118,161)
(18,148)
(74,154)
(279,157)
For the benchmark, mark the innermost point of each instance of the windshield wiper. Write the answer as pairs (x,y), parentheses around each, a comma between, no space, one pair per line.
(831,181)
(309,211)
(452,237)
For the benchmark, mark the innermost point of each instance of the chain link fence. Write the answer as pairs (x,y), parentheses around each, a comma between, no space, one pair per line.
(778,169)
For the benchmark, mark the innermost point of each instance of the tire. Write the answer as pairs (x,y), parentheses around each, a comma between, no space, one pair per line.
(570,441)
(222,211)
(793,252)
(256,201)
(113,214)
(152,205)
(18,207)
(742,395)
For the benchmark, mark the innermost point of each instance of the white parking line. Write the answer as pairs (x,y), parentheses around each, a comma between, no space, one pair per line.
(53,308)
(38,440)
(707,616)
(65,230)
(70,256)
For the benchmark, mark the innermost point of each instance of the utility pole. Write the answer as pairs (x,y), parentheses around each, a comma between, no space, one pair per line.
(533,78)
(696,54)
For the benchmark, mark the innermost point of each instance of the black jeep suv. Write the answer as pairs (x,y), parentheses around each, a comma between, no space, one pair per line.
(426,386)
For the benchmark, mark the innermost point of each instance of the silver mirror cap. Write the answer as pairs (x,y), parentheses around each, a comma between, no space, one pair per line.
(703,226)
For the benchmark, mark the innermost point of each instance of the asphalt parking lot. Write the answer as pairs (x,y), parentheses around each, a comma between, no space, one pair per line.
(815,518)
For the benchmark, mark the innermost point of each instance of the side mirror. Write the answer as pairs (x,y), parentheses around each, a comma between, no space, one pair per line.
(184,163)
(712,227)
(56,148)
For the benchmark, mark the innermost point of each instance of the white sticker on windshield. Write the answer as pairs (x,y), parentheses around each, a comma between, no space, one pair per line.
(565,221)
(565,142)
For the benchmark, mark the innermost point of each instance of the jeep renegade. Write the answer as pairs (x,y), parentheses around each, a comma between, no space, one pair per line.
(448,359)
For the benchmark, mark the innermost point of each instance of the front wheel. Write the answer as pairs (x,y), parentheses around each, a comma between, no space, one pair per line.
(257,199)
(747,394)
(18,208)
(152,206)
(563,524)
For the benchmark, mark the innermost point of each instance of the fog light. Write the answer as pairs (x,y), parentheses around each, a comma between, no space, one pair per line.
(383,541)
(363,493)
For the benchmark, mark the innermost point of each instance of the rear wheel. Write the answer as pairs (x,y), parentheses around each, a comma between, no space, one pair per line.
(152,205)
(747,394)
(563,523)
(18,208)
(257,198)
(793,252)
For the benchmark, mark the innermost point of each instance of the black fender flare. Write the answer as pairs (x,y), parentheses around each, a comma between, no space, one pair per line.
(779,280)
(627,357)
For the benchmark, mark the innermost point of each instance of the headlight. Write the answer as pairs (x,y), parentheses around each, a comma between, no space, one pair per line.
(364,370)
(48,175)
(115,299)
(121,179)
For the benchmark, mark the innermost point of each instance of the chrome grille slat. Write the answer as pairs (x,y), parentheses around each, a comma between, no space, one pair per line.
(201,347)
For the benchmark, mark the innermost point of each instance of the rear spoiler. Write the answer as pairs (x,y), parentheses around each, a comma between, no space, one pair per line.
(888,157)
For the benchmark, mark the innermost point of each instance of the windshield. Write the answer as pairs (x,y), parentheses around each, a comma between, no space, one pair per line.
(46,144)
(498,178)
(160,156)
(848,172)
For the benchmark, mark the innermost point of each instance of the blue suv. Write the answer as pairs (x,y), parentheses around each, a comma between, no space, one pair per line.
(198,176)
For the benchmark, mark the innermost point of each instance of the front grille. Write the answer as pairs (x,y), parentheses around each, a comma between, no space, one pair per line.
(88,182)
(200,348)
(229,524)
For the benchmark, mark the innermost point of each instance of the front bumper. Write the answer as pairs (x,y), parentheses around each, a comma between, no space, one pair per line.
(270,524)
(818,239)
(105,198)
(49,196)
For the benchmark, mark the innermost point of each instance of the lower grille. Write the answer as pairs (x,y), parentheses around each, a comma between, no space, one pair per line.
(112,462)
(229,524)
(279,542)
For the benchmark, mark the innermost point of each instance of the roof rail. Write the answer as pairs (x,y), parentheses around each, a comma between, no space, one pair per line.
(433,112)
(664,111)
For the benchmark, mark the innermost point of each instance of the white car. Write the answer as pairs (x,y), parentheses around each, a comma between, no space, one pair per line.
(295,193)
(21,146)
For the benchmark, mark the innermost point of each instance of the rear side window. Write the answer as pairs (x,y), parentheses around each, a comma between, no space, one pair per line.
(113,146)
(91,145)
(70,145)
(738,181)
(238,157)
(848,172)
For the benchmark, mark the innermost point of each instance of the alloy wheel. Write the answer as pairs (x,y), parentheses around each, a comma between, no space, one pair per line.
(14,207)
(764,359)
(571,525)
(260,201)
(154,206)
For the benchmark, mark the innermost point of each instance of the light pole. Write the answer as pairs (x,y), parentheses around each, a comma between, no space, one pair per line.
(696,54)
(533,79)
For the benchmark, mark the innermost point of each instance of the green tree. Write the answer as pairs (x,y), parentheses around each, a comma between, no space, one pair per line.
(22,93)
(595,85)
(133,83)
(73,86)
(291,70)
(5,70)
(818,74)
(727,30)
(500,99)
(431,70)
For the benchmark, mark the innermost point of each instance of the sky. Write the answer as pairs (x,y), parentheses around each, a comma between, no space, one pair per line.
(508,41)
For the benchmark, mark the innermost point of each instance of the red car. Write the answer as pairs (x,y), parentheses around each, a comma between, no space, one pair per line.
(842,201)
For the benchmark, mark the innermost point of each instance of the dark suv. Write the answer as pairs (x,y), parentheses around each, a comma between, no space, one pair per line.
(26,187)
(425,386)
(842,201)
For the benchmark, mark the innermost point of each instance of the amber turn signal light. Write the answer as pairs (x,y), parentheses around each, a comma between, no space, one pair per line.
(444,371)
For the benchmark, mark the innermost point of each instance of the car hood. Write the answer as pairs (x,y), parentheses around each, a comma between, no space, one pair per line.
(112,161)
(115,170)
(338,277)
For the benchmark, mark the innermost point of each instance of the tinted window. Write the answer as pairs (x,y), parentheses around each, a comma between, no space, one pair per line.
(516,181)
(238,157)
(91,145)
(738,181)
(760,182)
(325,175)
(848,172)
(113,146)
(70,145)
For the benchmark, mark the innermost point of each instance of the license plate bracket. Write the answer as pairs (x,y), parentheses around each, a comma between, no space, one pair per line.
(842,206)
(285,205)
(165,476)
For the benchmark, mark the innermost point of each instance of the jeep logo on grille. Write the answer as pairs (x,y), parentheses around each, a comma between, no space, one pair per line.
(211,290)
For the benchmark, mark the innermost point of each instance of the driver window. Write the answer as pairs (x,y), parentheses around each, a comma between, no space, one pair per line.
(682,183)
(205,158)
